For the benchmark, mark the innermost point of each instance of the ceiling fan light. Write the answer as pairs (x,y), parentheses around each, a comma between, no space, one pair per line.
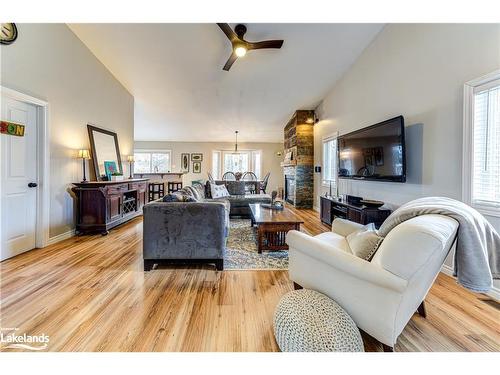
(240,51)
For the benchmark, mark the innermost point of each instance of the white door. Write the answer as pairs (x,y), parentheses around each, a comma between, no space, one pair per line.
(18,171)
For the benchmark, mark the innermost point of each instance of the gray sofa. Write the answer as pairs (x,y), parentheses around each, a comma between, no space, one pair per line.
(239,199)
(193,229)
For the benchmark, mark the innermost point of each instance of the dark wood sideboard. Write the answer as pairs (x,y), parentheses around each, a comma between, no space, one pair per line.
(103,205)
(331,208)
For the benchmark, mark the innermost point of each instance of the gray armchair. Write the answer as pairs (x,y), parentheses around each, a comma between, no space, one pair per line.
(185,232)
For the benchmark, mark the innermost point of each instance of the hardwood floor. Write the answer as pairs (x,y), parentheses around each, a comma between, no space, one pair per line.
(90,293)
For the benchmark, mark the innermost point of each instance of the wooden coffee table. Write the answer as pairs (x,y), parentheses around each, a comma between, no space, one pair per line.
(272,226)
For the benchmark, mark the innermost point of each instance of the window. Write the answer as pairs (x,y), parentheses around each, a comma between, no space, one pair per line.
(236,162)
(241,161)
(216,156)
(256,163)
(330,160)
(152,161)
(481,185)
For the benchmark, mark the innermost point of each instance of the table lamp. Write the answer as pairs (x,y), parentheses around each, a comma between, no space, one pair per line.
(84,154)
(130,160)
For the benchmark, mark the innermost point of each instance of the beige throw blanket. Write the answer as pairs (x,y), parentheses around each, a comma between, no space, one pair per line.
(477,258)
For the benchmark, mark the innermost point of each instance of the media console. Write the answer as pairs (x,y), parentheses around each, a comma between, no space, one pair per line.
(330,208)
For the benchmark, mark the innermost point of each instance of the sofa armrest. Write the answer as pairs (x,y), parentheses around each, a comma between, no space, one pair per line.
(345,227)
(344,262)
(184,230)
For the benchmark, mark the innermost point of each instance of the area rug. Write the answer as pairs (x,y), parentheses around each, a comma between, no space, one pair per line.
(241,250)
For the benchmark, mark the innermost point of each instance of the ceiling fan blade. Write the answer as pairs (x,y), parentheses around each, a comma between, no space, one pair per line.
(265,44)
(231,35)
(230,61)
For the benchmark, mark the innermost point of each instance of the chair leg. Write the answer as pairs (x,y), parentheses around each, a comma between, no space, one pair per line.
(421,310)
(387,348)
(296,286)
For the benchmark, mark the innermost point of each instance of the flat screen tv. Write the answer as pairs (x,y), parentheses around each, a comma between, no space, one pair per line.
(374,153)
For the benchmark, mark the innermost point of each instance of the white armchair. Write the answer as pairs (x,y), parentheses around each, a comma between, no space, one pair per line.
(381,295)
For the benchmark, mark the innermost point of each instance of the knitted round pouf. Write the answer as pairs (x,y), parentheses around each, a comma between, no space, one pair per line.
(308,321)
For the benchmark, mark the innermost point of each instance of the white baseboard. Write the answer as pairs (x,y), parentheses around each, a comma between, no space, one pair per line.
(493,293)
(61,237)
(316,208)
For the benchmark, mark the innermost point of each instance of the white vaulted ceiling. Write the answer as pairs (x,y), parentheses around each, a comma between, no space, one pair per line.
(174,72)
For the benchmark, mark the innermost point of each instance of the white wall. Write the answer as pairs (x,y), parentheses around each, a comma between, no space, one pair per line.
(417,71)
(270,161)
(49,62)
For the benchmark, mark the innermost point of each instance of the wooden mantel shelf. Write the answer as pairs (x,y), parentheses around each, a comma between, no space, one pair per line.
(291,163)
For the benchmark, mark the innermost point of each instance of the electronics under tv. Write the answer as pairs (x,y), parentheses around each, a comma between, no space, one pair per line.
(374,153)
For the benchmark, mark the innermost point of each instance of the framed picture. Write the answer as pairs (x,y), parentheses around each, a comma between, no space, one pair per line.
(196,167)
(197,157)
(110,168)
(185,163)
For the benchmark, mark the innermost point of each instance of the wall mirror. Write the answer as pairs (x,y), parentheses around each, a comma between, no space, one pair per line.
(105,152)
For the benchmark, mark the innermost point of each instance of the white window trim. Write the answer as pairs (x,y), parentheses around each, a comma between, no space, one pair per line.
(468,142)
(327,138)
(216,175)
(154,151)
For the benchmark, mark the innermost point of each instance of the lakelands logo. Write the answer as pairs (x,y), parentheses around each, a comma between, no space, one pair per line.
(9,339)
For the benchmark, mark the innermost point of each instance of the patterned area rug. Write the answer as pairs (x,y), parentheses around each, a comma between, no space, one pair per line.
(241,250)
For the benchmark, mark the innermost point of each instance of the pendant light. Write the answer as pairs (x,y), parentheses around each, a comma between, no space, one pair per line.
(236,144)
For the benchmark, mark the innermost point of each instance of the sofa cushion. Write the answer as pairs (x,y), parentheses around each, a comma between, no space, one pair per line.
(364,242)
(235,187)
(334,240)
(245,200)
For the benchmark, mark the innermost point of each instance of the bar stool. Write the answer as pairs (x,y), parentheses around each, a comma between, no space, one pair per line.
(174,186)
(156,190)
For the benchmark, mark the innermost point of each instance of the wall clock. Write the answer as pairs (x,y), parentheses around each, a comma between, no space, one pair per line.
(8,33)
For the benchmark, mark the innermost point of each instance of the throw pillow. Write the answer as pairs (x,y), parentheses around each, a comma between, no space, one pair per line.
(218,191)
(364,242)
(191,191)
(200,190)
(178,196)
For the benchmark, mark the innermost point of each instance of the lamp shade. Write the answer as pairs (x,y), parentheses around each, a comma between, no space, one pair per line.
(84,154)
(130,158)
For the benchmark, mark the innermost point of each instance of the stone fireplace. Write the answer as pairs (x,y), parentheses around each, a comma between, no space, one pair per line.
(298,170)
(290,189)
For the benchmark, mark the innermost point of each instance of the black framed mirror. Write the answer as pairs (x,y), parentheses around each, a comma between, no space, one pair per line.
(105,152)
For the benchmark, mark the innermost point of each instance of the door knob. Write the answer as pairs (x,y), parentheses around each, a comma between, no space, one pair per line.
(32,184)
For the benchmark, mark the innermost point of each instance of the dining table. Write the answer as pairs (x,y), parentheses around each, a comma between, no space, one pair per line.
(236,187)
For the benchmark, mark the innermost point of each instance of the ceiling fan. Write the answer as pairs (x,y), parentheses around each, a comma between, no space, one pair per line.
(240,45)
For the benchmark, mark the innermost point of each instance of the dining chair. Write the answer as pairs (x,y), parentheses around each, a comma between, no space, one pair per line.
(263,184)
(210,178)
(229,176)
(250,188)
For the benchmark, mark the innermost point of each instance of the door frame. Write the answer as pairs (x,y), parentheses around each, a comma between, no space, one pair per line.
(43,157)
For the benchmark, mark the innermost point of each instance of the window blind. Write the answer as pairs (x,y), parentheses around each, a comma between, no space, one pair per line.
(486,146)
